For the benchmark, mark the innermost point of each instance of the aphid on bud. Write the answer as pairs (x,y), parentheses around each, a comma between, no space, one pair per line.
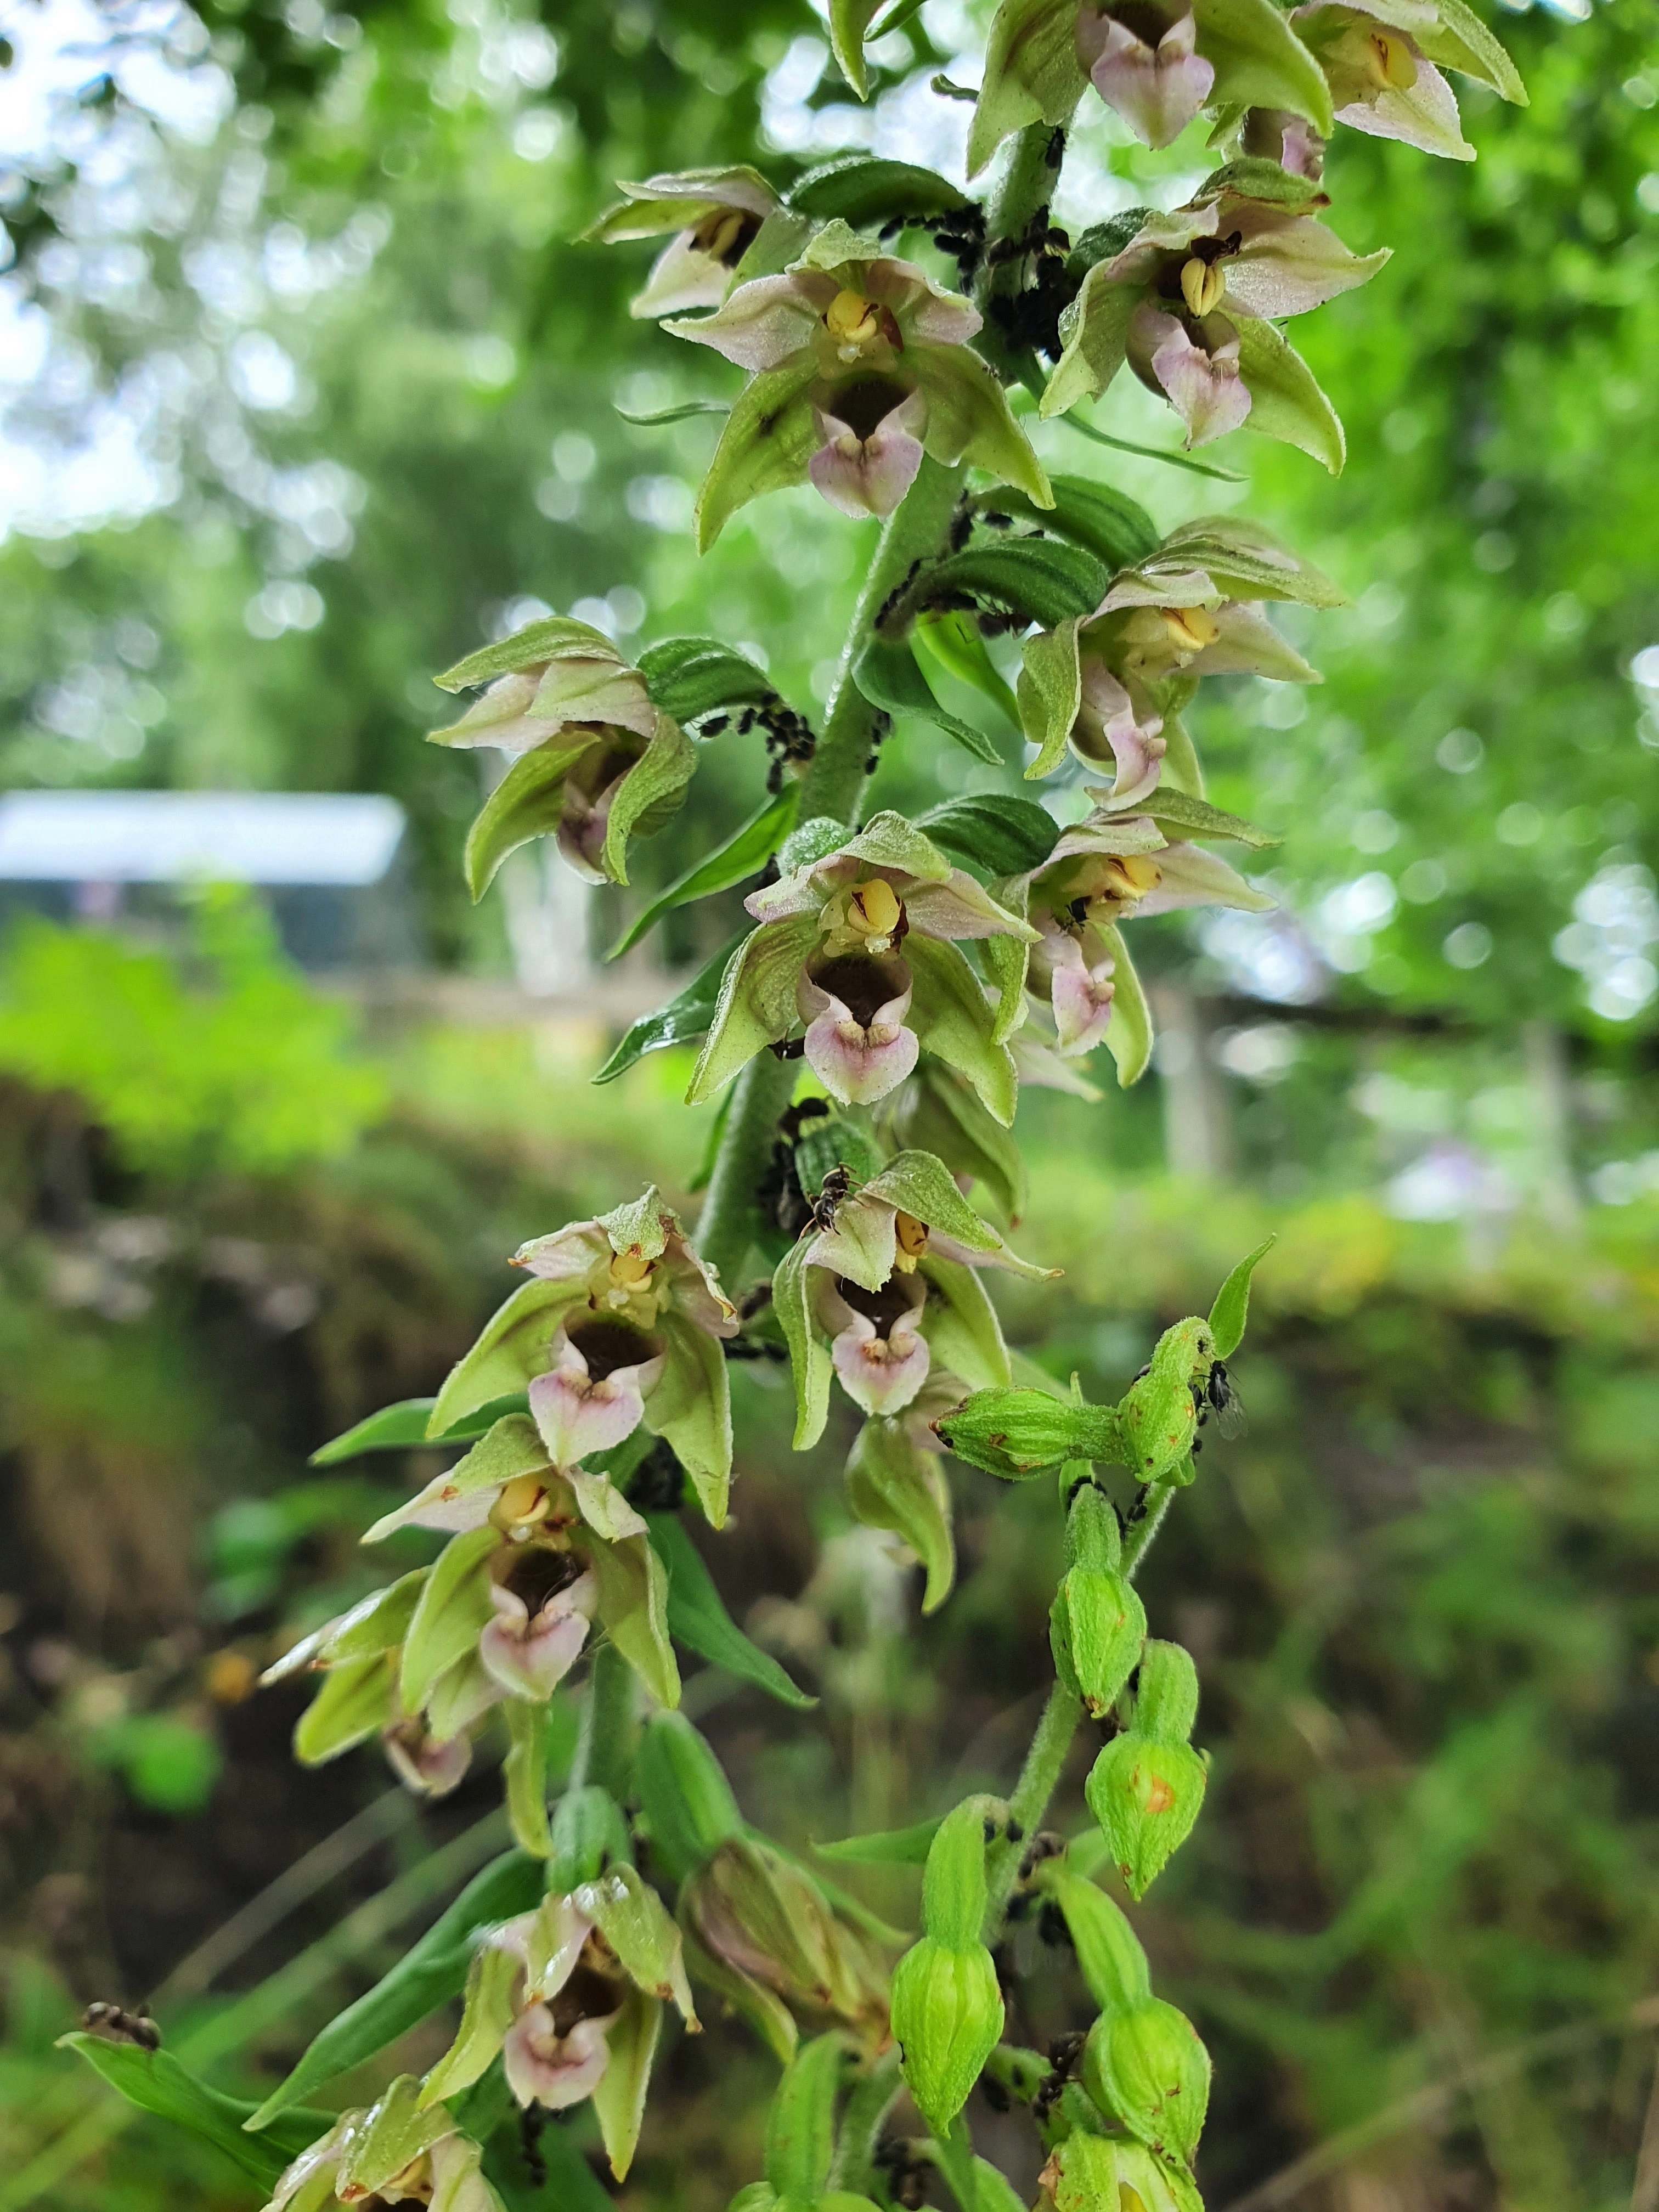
(116,2025)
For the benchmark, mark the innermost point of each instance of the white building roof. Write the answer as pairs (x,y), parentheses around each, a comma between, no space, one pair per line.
(182,836)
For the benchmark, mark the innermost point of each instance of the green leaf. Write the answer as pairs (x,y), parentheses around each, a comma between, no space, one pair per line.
(682,412)
(1095,329)
(689,676)
(687,1802)
(800,2126)
(769,439)
(394,1428)
(1129,1032)
(1050,693)
(1074,421)
(555,637)
(756,1000)
(1177,810)
(849,22)
(892,1483)
(1102,520)
(744,853)
(156,2083)
(684,1019)
(455,1606)
(1259,61)
(1232,1303)
(867,191)
(809,1356)
(887,674)
(954,641)
(356,1701)
(429,1974)
(890,1847)
(1285,400)
(1031,74)
(1037,579)
(697,1617)
(1002,835)
(524,1772)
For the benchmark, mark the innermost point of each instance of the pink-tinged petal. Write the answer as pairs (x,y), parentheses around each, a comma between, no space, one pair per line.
(881,1374)
(432,1770)
(1157,93)
(1108,717)
(868,470)
(503,718)
(767,322)
(589,790)
(1301,147)
(1081,994)
(922,310)
(858,1062)
(551,1945)
(1425,117)
(1201,383)
(1291,263)
(545,2068)
(530,1657)
(581,689)
(803,890)
(568,1255)
(577,1416)
(1190,876)
(693,1288)
(957,907)
(1248,645)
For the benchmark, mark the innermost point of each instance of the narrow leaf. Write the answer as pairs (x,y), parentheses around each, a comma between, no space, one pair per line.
(1232,1303)
(1074,421)
(681,1021)
(697,1617)
(155,2082)
(681,413)
(689,677)
(887,674)
(890,1847)
(744,853)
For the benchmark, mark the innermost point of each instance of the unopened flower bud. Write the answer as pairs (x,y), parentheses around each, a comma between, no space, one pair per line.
(756,1913)
(688,1804)
(1149,2069)
(1013,1433)
(947,2016)
(1146,1796)
(1097,1625)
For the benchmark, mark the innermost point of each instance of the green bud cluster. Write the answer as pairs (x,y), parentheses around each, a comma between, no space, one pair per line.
(947,2009)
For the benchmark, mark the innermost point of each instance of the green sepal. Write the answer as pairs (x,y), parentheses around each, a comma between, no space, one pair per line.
(968,418)
(356,1702)
(1231,1309)
(893,1483)
(1095,337)
(890,1847)
(620,2091)
(454,1608)
(951,1017)
(691,1409)
(510,1446)
(1243,560)
(1285,400)
(698,1619)
(430,1973)
(769,439)
(1460,41)
(648,795)
(763,2008)
(527,803)
(1129,1032)
(961,1325)
(887,673)
(744,853)
(684,1019)
(937,1112)
(810,1362)
(1259,61)
(1031,74)
(686,1799)
(393,2132)
(487,2013)
(554,637)
(632,1610)
(756,1002)
(155,2082)
(511,1349)
(1149,2068)
(849,19)
(1050,693)
(376,1623)
(1184,816)
(635,1922)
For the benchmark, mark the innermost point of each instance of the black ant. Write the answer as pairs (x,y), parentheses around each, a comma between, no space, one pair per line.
(1063,2055)
(827,1204)
(658,1483)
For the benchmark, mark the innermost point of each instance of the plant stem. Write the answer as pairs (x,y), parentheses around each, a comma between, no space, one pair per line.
(1038,1780)
(1138,1541)
(833,784)
(860,2127)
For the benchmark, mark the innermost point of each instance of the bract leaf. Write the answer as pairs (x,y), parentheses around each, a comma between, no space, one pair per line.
(995,832)
(867,190)
(887,674)
(769,439)
(1233,1303)
(698,1619)
(809,1356)
(1104,521)
(155,2082)
(619,2093)
(685,1018)
(1040,579)
(689,677)
(744,853)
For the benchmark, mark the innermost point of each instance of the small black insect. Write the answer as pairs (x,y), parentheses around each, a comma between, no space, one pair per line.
(827,1204)
(116,2025)
(531,2121)
(1063,2055)
(1223,1397)
(1209,251)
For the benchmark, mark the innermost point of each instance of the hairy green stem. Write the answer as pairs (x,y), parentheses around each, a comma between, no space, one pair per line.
(605,1749)
(1138,1541)
(1038,1780)
(861,2123)
(833,784)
